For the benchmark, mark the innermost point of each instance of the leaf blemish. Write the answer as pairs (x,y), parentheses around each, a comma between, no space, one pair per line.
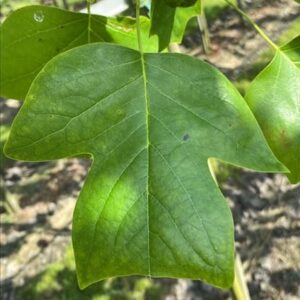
(186,137)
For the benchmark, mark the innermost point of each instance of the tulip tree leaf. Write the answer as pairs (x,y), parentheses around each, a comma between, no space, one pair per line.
(274,97)
(33,35)
(149,205)
(168,23)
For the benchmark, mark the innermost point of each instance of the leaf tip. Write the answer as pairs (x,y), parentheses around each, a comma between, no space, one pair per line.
(293,177)
(83,279)
(82,284)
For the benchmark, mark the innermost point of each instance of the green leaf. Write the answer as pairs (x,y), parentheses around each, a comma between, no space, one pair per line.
(180,3)
(169,23)
(149,205)
(33,35)
(292,50)
(274,97)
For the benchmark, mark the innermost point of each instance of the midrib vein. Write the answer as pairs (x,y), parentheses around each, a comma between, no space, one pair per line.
(147,116)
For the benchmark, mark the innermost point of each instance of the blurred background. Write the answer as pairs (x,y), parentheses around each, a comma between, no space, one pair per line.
(37,199)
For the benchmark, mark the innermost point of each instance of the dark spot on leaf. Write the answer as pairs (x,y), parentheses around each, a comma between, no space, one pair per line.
(40,39)
(186,137)
(57,50)
(62,26)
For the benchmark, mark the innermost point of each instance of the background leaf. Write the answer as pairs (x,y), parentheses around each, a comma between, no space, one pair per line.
(33,35)
(274,97)
(180,3)
(169,23)
(292,50)
(149,205)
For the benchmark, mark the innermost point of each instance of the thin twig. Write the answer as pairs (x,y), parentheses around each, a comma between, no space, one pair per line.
(253,24)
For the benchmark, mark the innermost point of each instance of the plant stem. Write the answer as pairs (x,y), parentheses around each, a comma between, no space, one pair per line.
(239,287)
(202,23)
(253,24)
(66,4)
(138,26)
(89,20)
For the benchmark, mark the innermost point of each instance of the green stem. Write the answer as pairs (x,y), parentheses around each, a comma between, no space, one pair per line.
(202,22)
(253,24)
(138,26)
(89,20)
(239,288)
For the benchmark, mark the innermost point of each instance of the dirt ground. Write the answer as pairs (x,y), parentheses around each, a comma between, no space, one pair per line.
(39,198)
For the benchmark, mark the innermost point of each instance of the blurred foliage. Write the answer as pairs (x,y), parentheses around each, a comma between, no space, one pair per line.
(59,282)
(8,6)
(213,8)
